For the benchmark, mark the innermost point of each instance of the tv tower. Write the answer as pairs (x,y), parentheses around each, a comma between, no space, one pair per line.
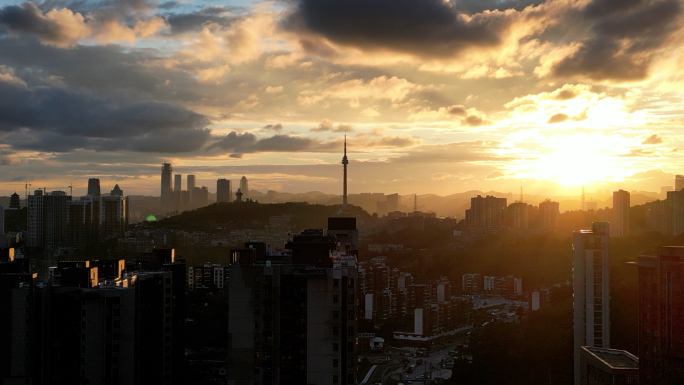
(345,162)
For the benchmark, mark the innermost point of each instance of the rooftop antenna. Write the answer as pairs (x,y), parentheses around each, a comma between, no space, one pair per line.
(521,194)
(71,189)
(26,187)
(584,205)
(415,203)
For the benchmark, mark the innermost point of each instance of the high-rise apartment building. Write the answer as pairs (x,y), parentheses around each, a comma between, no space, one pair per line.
(47,219)
(679,182)
(675,207)
(166,190)
(223,191)
(620,224)
(292,319)
(519,215)
(244,188)
(392,202)
(94,187)
(549,214)
(661,317)
(487,212)
(591,290)
(112,216)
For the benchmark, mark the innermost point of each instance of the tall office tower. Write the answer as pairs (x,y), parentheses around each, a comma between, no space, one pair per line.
(244,188)
(488,212)
(392,202)
(223,191)
(591,289)
(94,187)
(620,225)
(116,191)
(345,162)
(679,182)
(292,319)
(549,213)
(190,185)
(664,190)
(112,216)
(661,316)
(166,190)
(519,215)
(675,206)
(177,181)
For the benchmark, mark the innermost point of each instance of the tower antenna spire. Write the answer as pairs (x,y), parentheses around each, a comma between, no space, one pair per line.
(345,162)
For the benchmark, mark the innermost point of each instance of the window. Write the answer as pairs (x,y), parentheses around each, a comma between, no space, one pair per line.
(336,298)
(336,346)
(336,363)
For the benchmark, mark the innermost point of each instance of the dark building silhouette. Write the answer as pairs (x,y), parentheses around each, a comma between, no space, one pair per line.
(117,191)
(223,191)
(47,220)
(661,317)
(15,202)
(93,322)
(166,190)
(94,187)
(293,316)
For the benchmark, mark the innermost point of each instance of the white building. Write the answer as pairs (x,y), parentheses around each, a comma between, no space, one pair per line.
(591,290)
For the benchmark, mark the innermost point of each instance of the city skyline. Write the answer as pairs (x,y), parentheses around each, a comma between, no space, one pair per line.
(436,96)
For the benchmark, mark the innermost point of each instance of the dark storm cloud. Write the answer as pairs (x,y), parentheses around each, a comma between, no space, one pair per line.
(59,119)
(27,18)
(195,21)
(477,6)
(101,69)
(247,143)
(421,27)
(626,37)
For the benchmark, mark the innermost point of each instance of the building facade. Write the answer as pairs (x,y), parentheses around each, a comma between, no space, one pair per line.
(591,290)
(619,226)
(293,318)
(661,316)
(224,192)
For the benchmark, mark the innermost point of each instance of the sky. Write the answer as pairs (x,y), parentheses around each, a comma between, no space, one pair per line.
(434,96)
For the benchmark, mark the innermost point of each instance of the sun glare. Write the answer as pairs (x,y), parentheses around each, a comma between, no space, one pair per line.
(576,160)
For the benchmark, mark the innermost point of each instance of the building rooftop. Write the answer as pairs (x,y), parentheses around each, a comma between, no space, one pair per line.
(615,359)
